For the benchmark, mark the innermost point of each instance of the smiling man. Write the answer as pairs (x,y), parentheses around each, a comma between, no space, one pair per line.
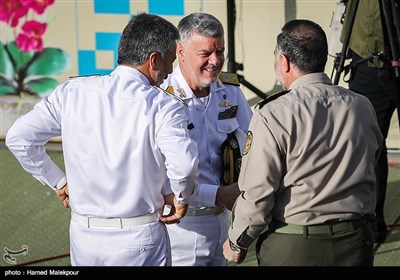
(216,108)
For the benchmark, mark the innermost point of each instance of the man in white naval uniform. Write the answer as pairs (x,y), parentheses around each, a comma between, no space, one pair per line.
(215,109)
(120,136)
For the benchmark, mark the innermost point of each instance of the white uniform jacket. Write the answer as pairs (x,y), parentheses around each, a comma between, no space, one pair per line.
(226,110)
(121,138)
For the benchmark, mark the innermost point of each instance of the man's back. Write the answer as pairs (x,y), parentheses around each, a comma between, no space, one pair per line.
(307,170)
(328,137)
(111,125)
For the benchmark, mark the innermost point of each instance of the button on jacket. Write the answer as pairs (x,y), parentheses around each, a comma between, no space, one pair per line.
(311,159)
(209,126)
(117,131)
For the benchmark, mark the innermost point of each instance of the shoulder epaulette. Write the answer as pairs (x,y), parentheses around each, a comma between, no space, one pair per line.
(270,98)
(173,96)
(229,78)
(90,75)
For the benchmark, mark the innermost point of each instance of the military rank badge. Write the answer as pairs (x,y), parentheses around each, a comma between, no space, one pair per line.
(249,139)
(228,113)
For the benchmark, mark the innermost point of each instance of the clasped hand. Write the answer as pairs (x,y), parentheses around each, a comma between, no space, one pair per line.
(177,211)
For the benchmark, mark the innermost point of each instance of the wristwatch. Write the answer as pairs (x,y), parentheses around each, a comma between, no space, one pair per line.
(235,248)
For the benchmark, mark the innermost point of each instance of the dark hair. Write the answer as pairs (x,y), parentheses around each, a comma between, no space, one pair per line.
(202,23)
(144,34)
(304,43)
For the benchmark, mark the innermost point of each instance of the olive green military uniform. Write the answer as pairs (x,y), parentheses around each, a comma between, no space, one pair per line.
(307,170)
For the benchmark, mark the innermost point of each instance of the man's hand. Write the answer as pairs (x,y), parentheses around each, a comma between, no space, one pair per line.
(232,256)
(62,195)
(227,195)
(177,211)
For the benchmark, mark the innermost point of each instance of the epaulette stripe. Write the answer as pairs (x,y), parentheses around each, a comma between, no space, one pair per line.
(229,78)
(82,76)
(270,98)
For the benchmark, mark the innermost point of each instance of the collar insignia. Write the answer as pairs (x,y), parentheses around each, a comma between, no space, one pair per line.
(181,92)
(170,89)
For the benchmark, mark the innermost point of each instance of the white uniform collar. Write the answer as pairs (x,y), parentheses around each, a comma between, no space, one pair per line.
(133,73)
(187,91)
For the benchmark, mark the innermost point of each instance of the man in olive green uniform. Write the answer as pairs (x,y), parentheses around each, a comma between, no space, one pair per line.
(371,76)
(308,166)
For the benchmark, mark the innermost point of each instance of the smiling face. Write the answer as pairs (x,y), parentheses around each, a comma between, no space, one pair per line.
(201,59)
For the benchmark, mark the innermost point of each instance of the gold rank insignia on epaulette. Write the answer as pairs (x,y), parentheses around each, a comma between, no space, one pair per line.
(270,98)
(229,78)
(172,95)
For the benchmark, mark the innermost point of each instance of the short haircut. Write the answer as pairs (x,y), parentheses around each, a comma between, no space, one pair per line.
(144,34)
(304,43)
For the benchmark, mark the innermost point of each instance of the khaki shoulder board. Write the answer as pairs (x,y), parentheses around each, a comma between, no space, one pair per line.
(229,78)
(172,95)
(270,98)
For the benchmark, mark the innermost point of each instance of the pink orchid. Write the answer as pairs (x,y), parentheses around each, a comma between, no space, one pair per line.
(11,11)
(31,38)
(37,5)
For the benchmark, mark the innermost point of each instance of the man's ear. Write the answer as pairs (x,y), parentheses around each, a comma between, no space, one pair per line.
(285,63)
(153,60)
(180,50)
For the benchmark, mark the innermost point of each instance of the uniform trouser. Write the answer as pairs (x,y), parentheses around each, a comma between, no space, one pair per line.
(348,248)
(142,245)
(376,84)
(197,241)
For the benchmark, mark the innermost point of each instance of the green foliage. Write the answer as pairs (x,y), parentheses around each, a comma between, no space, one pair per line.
(26,73)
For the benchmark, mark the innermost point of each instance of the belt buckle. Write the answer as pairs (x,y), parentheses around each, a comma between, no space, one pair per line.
(95,222)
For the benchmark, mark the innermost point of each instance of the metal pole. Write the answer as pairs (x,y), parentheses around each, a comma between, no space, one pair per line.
(231,35)
(343,54)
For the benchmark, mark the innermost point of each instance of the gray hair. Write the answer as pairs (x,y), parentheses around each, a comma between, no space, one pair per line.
(201,23)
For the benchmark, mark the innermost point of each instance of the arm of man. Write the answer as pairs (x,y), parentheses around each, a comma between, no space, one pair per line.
(27,137)
(252,210)
(181,159)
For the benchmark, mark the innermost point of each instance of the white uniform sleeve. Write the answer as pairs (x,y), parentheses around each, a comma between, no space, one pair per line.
(26,140)
(180,152)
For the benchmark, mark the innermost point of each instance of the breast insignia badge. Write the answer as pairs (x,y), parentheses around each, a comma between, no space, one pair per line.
(249,139)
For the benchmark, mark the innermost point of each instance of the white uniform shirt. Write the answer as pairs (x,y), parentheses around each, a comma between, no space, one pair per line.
(209,126)
(121,137)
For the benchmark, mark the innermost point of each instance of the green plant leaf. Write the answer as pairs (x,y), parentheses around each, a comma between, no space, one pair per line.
(20,57)
(51,61)
(42,86)
(6,67)
(6,89)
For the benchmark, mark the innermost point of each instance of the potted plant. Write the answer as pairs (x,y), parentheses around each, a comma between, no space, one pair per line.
(26,66)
